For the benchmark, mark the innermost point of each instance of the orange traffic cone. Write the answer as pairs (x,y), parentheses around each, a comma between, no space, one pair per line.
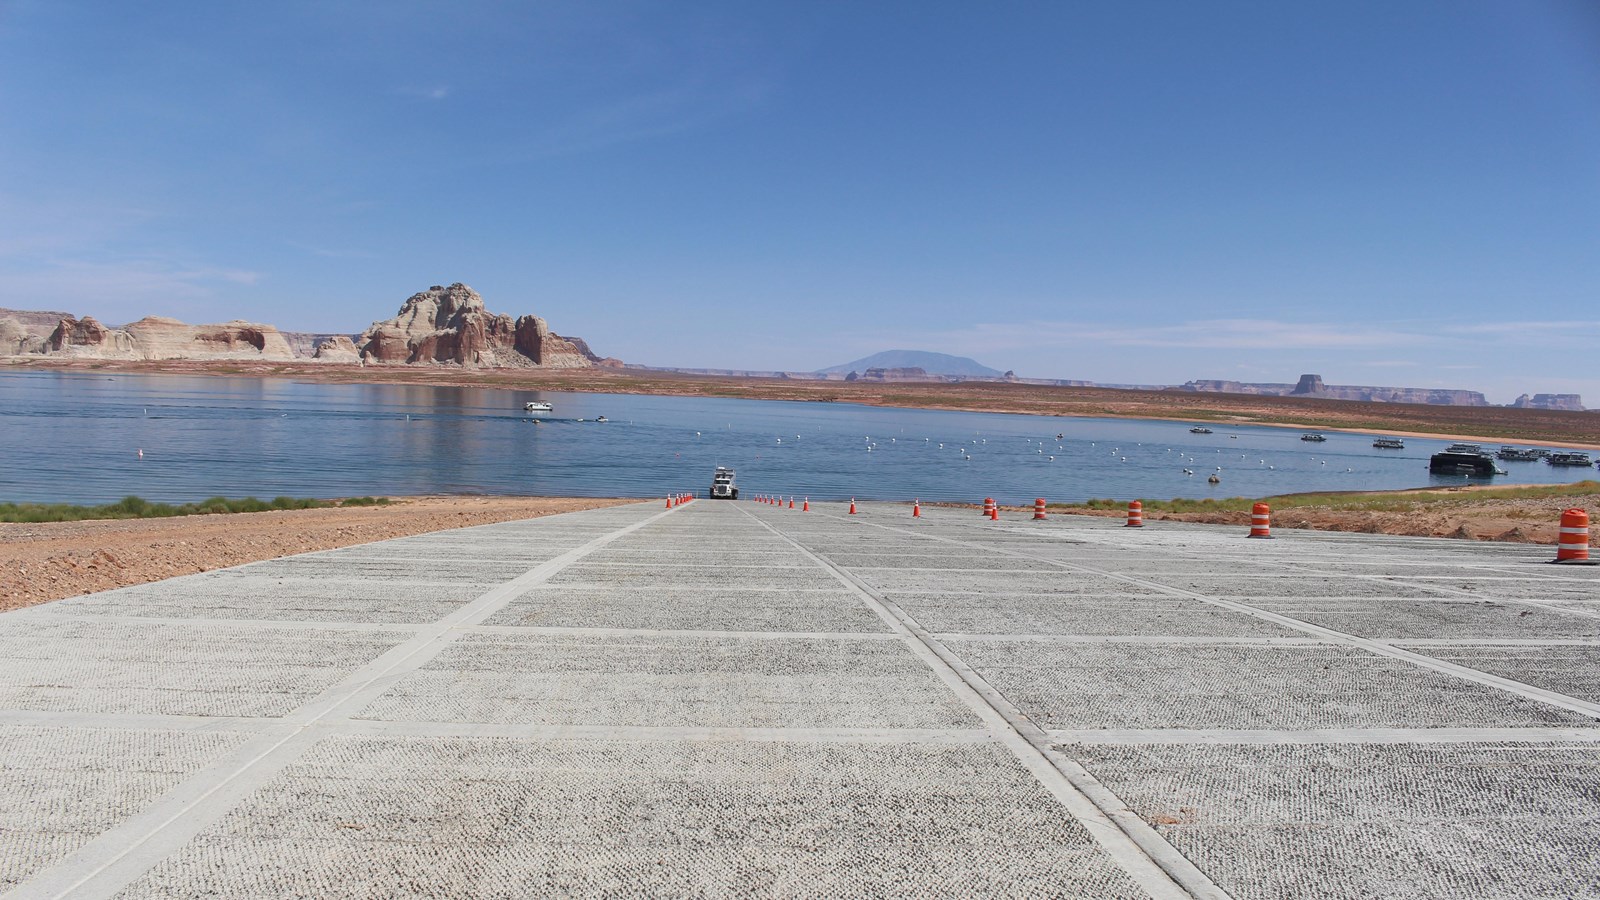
(994,513)
(791,503)
(669,501)
(852,506)
(806,506)
(916,509)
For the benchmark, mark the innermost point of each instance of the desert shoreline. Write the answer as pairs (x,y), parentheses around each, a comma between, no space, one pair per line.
(49,561)
(1485,425)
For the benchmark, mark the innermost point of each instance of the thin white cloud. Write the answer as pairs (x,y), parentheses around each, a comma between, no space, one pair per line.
(119,290)
(331,252)
(1537,331)
(426,92)
(1217,334)
(657,113)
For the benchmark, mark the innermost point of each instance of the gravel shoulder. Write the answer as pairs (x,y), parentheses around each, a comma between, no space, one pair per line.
(50,561)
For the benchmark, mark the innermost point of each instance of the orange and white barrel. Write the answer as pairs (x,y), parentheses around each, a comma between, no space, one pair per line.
(988,507)
(1261,521)
(1038,508)
(1135,515)
(1573,544)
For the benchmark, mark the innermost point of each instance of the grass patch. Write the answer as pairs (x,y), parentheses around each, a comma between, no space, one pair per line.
(139,508)
(1378,501)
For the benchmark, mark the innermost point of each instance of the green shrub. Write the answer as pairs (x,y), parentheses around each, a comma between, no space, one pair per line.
(132,507)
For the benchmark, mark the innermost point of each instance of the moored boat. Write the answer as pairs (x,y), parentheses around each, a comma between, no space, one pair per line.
(1463,459)
(1199,429)
(1518,454)
(1570,459)
(536,406)
(1312,436)
(1389,444)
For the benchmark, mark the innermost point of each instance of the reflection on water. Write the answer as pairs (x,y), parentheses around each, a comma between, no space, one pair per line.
(77,437)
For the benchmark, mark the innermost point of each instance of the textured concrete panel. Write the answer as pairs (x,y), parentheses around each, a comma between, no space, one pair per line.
(937,562)
(692,576)
(1398,618)
(175,669)
(1080,615)
(1574,671)
(1011,583)
(59,787)
(694,609)
(454,817)
(1465,821)
(260,598)
(1239,686)
(1293,585)
(393,570)
(675,681)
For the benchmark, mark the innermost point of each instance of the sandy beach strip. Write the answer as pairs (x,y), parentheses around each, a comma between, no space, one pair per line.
(40,562)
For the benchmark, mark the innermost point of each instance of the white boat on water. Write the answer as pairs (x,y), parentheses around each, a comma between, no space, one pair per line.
(536,406)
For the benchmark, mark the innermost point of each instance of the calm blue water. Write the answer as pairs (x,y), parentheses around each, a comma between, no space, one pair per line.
(76,437)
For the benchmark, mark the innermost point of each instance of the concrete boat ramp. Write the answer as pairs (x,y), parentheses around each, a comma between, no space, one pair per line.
(732,699)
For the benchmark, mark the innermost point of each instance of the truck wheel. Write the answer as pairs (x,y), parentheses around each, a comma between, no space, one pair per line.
(735,494)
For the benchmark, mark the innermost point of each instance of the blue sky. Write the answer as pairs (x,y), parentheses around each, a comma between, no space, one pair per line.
(1379,192)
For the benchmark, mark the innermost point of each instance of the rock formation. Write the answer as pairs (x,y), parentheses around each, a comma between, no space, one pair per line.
(87,337)
(305,343)
(1569,402)
(155,337)
(16,338)
(904,373)
(450,325)
(158,337)
(337,349)
(1312,386)
(1308,384)
(442,325)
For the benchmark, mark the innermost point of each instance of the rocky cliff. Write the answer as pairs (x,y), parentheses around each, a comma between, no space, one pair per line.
(1312,386)
(1568,402)
(442,325)
(156,337)
(450,325)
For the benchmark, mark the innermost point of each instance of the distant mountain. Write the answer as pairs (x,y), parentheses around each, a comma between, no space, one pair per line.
(932,363)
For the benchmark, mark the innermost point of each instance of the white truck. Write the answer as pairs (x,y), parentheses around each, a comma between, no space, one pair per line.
(722,487)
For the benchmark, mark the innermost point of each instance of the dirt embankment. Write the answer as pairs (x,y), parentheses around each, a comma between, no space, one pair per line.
(1480,519)
(49,561)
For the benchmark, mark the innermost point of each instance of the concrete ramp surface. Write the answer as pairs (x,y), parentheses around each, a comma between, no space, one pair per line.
(732,699)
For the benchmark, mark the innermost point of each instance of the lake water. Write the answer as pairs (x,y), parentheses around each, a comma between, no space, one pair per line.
(77,437)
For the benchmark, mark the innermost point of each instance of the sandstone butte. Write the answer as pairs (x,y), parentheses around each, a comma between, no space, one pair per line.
(439,326)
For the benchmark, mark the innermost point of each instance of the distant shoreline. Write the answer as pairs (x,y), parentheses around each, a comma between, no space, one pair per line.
(1487,425)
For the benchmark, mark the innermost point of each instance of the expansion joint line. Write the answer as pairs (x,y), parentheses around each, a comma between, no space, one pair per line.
(106,865)
(1380,648)
(1126,838)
